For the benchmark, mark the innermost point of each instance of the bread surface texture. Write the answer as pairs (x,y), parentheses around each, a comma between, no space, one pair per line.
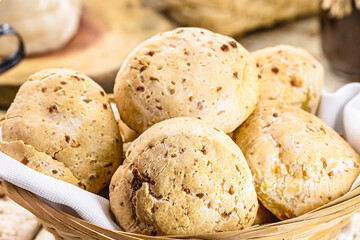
(187,72)
(290,74)
(67,116)
(38,161)
(183,176)
(298,162)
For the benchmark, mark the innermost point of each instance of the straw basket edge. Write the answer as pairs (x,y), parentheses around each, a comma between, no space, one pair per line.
(321,224)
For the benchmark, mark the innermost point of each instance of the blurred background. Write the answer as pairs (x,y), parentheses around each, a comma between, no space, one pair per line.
(94,37)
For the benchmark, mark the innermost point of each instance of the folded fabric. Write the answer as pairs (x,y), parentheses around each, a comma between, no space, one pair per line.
(59,194)
(339,110)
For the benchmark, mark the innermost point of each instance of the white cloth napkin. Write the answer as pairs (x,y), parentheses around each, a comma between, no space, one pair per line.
(58,194)
(340,110)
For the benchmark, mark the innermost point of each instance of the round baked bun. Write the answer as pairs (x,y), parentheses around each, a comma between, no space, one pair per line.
(290,74)
(297,161)
(45,25)
(187,72)
(183,176)
(67,116)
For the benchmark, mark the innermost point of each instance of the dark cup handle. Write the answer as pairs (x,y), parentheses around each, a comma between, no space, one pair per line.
(15,58)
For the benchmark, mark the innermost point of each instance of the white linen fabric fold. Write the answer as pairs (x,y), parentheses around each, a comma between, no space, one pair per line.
(339,110)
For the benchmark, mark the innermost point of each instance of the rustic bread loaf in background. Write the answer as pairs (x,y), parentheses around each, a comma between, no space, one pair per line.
(233,17)
(297,161)
(68,116)
(291,75)
(183,176)
(45,25)
(187,72)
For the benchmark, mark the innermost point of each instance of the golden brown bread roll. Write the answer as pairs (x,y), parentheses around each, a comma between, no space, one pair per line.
(182,176)
(68,116)
(187,72)
(297,161)
(290,74)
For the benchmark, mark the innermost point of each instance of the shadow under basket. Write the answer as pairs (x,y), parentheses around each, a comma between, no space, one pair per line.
(319,224)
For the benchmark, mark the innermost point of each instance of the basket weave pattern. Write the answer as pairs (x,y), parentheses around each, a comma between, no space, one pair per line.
(320,224)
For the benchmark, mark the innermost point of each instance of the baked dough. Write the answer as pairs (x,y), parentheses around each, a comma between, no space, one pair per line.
(38,161)
(68,116)
(298,162)
(233,17)
(45,25)
(187,72)
(291,75)
(182,176)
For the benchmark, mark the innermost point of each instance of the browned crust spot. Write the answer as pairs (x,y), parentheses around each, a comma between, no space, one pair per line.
(25,161)
(275,70)
(233,44)
(143,68)
(154,79)
(224,48)
(295,82)
(53,109)
(140,89)
(235,75)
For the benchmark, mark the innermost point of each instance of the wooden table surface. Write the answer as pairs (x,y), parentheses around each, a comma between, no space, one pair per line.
(17,223)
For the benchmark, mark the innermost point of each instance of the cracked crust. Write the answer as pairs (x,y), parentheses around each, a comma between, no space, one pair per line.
(290,74)
(38,161)
(298,162)
(182,176)
(68,116)
(187,72)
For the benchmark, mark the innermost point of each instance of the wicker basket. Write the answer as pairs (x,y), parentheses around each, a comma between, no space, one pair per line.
(320,224)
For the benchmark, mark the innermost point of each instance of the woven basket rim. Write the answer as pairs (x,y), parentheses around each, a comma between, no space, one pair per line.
(338,210)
